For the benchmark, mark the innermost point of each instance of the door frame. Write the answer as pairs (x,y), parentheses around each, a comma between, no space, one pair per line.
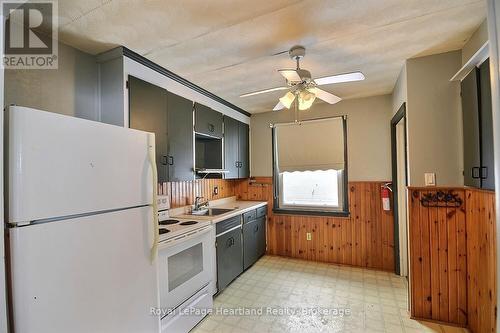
(400,115)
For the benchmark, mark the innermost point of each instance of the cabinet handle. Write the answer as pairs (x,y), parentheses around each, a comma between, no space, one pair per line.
(237,164)
(230,242)
(170,160)
(211,128)
(164,160)
(476,173)
(256,228)
(484,173)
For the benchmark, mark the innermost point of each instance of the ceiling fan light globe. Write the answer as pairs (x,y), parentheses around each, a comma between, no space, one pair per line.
(287,100)
(306,100)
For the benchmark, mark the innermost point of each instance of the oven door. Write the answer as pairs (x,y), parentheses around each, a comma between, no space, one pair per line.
(185,266)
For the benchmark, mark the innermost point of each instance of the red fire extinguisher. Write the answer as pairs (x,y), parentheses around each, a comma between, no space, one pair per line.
(386,201)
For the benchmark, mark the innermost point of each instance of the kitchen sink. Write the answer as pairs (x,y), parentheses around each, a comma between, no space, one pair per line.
(211,211)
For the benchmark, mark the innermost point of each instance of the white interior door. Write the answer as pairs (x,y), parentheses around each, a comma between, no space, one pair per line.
(88,274)
(402,198)
(3,289)
(494,36)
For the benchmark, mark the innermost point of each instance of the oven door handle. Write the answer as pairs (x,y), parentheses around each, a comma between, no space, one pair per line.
(186,236)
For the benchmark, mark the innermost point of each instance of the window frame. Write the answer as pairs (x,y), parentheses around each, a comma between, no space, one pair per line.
(344,212)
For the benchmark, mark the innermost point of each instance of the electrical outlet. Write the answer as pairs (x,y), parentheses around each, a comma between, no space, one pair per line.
(216,190)
(308,236)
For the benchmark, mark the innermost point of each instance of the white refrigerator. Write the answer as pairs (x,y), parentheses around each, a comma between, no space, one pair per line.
(80,225)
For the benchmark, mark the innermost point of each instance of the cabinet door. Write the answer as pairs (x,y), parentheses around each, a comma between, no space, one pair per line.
(470,109)
(148,112)
(229,258)
(231,142)
(261,237)
(244,170)
(487,159)
(250,243)
(208,121)
(180,138)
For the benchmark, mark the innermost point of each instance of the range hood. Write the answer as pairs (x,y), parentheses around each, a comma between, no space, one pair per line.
(207,171)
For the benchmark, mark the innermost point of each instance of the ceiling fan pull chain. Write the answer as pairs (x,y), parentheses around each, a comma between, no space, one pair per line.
(296,110)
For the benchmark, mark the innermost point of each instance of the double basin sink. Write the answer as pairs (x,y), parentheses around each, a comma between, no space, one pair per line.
(210,211)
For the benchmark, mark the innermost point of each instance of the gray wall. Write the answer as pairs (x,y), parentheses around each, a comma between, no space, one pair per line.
(72,89)
(399,94)
(478,38)
(368,136)
(434,119)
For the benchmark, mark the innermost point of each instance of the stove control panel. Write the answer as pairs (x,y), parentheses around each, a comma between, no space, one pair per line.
(163,202)
(163,215)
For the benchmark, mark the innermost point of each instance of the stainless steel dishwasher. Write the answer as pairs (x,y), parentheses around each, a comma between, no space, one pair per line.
(229,246)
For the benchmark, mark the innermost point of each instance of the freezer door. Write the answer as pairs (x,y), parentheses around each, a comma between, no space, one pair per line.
(89,274)
(61,166)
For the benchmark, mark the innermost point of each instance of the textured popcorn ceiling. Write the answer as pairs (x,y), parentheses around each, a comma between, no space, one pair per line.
(231,47)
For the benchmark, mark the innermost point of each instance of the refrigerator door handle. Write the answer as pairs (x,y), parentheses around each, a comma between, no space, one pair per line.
(152,161)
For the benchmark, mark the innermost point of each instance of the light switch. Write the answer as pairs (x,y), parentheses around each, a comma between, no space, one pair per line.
(430,179)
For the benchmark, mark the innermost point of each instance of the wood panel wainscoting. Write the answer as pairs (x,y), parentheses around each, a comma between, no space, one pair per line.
(184,193)
(481,260)
(365,239)
(452,256)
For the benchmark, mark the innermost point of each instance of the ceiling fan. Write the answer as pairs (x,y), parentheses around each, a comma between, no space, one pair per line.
(304,89)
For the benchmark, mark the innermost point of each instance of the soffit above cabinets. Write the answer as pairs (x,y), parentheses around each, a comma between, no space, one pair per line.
(232,47)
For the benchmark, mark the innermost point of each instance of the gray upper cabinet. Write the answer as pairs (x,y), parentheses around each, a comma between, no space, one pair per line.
(207,121)
(236,149)
(486,117)
(477,128)
(170,117)
(470,109)
(231,143)
(180,138)
(244,170)
(148,112)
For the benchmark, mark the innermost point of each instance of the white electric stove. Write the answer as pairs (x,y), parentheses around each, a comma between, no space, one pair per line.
(186,254)
(173,227)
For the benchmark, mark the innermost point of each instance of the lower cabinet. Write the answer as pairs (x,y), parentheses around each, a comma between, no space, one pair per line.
(240,242)
(229,248)
(254,241)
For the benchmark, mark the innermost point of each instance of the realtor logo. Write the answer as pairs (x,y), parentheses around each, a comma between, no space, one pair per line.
(29,34)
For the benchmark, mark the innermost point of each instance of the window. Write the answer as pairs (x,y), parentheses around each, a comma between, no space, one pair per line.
(309,166)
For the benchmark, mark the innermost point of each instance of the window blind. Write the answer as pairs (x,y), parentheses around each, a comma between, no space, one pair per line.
(310,145)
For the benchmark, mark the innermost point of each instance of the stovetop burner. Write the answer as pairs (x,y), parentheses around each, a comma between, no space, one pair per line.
(167,222)
(188,223)
(163,231)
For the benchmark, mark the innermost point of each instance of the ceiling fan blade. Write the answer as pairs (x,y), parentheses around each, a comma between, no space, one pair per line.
(290,75)
(339,78)
(279,106)
(325,96)
(263,91)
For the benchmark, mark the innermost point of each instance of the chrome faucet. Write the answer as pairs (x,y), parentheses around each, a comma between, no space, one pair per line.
(198,203)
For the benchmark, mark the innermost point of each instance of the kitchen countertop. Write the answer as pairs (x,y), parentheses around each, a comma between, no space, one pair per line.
(239,206)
